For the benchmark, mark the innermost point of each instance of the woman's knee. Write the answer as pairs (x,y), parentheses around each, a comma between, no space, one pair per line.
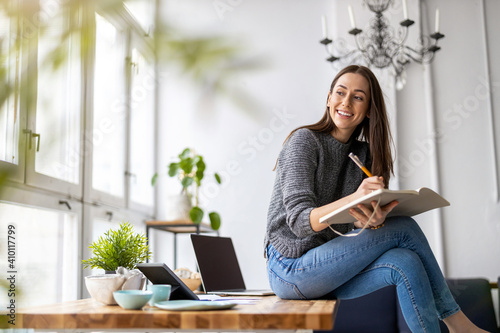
(408,225)
(405,264)
(403,221)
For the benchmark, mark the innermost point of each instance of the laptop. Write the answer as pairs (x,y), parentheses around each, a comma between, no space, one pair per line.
(219,268)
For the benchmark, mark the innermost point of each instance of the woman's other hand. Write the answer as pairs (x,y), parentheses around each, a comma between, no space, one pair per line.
(363,213)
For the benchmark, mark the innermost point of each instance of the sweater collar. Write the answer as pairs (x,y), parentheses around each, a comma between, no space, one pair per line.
(340,145)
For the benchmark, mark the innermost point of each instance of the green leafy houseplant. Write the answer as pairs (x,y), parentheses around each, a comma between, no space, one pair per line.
(190,169)
(117,248)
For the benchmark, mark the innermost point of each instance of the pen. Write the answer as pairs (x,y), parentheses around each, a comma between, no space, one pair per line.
(358,163)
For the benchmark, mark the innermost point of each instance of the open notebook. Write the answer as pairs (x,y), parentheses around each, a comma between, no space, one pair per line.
(411,202)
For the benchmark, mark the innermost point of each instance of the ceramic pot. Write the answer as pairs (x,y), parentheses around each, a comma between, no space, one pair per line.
(178,207)
(102,286)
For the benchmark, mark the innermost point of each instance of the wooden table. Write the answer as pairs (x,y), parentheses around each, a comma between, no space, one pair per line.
(269,313)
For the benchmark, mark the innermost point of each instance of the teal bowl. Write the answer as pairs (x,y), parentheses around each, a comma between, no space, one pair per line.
(132,299)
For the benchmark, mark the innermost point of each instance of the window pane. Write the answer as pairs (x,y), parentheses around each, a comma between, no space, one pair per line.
(45,257)
(58,99)
(9,103)
(109,110)
(142,133)
(142,11)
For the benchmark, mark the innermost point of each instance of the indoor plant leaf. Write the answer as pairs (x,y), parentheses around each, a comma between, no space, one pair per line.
(185,154)
(173,169)
(154,179)
(215,220)
(186,181)
(186,165)
(196,214)
(217,178)
(200,170)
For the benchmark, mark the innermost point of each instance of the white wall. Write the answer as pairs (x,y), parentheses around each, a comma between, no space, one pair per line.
(464,132)
(291,91)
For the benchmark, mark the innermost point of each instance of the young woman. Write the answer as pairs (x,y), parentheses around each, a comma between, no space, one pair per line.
(314,176)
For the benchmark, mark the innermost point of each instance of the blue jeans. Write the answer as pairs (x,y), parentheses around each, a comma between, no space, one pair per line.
(349,267)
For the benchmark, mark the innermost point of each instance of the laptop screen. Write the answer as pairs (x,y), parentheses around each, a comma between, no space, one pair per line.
(217,263)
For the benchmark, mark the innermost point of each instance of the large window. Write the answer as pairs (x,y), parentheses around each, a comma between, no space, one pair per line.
(78,133)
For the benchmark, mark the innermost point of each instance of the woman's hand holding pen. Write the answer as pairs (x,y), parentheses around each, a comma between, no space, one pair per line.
(369,185)
(363,213)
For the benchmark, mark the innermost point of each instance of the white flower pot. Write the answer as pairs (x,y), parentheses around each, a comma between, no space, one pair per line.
(102,286)
(178,207)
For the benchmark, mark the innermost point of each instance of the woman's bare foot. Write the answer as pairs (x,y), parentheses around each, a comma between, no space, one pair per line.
(459,323)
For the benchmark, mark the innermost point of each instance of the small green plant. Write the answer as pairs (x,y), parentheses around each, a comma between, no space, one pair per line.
(190,169)
(118,248)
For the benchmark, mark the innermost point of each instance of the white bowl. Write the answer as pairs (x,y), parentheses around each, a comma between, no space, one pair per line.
(102,286)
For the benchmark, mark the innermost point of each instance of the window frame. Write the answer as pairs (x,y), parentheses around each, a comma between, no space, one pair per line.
(25,187)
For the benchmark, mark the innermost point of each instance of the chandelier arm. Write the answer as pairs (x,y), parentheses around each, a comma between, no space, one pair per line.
(427,46)
(405,37)
(398,67)
(409,51)
(351,53)
(333,57)
(422,59)
(358,44)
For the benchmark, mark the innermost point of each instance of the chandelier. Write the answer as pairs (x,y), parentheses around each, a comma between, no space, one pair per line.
(380,46)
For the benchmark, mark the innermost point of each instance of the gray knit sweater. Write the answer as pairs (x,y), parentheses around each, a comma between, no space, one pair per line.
(313,170)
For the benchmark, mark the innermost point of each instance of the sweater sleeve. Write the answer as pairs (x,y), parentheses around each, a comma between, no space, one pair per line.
(297,167)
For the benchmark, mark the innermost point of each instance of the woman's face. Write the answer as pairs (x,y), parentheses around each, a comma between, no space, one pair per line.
(349,102)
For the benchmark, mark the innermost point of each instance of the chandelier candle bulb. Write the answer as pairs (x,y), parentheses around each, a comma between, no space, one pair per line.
(351,16)
(437,20)
(405,9)
(323,23)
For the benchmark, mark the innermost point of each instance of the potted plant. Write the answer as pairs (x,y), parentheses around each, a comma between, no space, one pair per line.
(117,252)
(118,248)
(190,170)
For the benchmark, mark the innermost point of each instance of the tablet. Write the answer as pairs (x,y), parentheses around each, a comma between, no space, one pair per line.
(159,273)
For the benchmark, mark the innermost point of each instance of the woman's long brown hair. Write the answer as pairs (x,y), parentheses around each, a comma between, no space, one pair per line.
(374,130)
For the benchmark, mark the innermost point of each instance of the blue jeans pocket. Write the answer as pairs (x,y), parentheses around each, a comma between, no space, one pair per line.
(282,288)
